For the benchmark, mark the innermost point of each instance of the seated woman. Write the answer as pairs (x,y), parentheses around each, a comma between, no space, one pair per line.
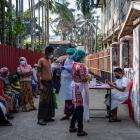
(3,112)
(17,90)
(117,98)
(7,101)
(4,73)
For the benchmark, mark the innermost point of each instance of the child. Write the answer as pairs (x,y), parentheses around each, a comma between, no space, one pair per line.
(34,81)
(80,78)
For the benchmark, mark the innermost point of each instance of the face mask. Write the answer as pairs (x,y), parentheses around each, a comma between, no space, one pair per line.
(71,56)
(22,62)
(50,56)
(5,74)
(117,77)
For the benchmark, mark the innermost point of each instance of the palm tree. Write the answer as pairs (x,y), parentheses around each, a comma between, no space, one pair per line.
(55,7)
(64,21)
(87,21)
(85,31)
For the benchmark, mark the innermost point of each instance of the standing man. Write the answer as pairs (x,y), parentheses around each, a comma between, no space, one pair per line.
(46,109)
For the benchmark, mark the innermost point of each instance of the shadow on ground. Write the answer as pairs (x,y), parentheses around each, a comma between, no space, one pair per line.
(25,126)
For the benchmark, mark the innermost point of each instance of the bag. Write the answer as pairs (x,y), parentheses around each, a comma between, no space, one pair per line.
(54,99)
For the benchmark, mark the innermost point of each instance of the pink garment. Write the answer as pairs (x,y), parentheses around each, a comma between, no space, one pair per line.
(24,68)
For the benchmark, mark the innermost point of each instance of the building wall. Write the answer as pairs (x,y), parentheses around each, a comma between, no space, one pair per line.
(129,48)
(136,67)
(114,14)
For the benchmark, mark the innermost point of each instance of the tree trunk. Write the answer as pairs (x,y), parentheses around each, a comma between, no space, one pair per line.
(95,47)
(39,20)
(32,24)
(47,22)
(17,8)
(20,15)
(2,22)
(10,23)
(43,22)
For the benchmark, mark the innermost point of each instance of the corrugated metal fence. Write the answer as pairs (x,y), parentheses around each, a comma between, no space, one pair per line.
(9,57)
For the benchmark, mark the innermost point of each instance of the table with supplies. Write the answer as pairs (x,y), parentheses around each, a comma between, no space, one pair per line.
(108,89)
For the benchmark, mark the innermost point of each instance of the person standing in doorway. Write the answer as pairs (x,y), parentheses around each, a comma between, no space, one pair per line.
(46,110)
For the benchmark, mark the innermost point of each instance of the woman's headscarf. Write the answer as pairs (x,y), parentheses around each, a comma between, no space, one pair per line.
(70,51)
(4,72)
(35,65)
(24,67)
(79,55)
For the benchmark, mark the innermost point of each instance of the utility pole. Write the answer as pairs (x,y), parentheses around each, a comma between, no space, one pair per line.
(96,33)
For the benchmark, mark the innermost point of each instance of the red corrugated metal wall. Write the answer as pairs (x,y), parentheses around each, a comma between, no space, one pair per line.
(9,57)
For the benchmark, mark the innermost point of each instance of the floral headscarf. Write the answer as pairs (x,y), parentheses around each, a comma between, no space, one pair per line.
(4,72)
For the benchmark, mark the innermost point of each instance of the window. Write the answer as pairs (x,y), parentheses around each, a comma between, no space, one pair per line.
(127,55)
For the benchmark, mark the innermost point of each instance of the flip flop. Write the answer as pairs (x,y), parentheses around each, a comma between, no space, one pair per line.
(83,133)
(116,120)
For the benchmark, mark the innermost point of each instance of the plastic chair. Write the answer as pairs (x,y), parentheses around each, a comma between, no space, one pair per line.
(128,102)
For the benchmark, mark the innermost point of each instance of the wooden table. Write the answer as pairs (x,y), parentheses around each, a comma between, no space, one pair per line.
(108,89)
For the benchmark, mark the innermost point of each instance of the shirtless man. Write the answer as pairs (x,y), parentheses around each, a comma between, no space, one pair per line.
(46,108)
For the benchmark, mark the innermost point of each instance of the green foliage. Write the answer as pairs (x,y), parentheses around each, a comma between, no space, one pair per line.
(85,6)
(38,45)
(19,28)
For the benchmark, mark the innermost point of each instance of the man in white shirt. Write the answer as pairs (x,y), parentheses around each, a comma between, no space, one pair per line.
(119,97)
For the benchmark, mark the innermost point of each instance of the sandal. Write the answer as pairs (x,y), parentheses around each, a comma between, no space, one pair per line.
(24,109)
(9,116)
(6,123)
(32,108)
(65,118)
(83,133)
(73,130)
(115,120)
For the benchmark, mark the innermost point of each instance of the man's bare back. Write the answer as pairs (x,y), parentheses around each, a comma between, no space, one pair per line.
(44,69)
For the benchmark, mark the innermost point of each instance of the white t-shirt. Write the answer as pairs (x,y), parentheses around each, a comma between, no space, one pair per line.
(123,82)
